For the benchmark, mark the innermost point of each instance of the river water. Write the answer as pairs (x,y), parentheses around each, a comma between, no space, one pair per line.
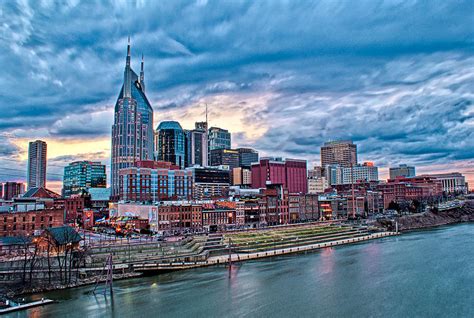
(426,273)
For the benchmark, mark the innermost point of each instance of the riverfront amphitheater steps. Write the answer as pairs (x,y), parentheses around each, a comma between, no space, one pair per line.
(137,253)
(292,237)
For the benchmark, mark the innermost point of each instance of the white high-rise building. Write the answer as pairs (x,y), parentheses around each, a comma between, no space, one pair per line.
(37,154)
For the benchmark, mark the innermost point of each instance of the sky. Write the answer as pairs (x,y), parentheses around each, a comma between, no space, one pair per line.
(396,77)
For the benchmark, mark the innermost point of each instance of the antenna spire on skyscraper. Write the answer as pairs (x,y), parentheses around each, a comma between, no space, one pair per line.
(127,74)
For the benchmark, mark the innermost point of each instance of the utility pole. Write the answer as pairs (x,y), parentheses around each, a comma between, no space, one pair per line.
(353,192)
(230,256)
(110,275)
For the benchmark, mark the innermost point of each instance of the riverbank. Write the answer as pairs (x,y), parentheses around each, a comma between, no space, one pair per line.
(20,291)
(432,219)
(380,278)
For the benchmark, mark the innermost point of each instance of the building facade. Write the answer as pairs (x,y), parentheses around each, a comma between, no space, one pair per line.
(420,188)
(317,185)
(224,157)
(12,190)
(219,138)
(132,131)
(342,153)
(170,143)
(210,183)
(290,173)
(364,172)
(241,176)
(154,184)
(402,171)
(29,217)
(37,154)
(453,182)
(247,156)
(82,175)
(197,146)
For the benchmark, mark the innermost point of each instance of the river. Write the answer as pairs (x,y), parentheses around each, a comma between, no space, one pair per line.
(427,273)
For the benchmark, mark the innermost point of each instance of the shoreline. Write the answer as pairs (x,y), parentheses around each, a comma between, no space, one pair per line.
(409,223)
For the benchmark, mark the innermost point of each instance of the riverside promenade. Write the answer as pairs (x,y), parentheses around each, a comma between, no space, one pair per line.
(239,257)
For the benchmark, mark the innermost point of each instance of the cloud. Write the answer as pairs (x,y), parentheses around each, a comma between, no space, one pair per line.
(396,77)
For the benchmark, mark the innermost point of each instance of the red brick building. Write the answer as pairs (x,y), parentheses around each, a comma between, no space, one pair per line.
(30,222)
(290,173)
(274,206)
(218,214)
(74,207)
(408,189)
(180,217)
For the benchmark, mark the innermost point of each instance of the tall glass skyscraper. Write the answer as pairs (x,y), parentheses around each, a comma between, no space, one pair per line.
(132,131)
(169,143)
(37,164)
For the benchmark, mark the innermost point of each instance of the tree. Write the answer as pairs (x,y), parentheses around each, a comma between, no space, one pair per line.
(394,206)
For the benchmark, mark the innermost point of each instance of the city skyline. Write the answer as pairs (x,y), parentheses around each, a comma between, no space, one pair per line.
(401,98)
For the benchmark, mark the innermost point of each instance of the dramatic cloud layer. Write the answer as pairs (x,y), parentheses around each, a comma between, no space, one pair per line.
(284,76)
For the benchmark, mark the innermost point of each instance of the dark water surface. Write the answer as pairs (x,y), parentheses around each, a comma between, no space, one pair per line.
(419,274)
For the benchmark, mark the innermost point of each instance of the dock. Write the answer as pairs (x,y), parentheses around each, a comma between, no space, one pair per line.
(26,306)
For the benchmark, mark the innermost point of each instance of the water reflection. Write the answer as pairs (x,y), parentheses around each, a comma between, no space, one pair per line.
(379,278)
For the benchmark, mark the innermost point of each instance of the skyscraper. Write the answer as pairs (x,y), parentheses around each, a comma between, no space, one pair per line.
(219,138)
(247,156)
(169,143)
(402,171)
(37,164)
(343,153)
(196,145)
(132,131)
(12,189)
(82,175)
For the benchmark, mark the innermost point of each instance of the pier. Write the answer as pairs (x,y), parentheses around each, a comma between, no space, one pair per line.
(37,303)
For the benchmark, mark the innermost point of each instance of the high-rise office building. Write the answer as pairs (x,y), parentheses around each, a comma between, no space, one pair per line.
(37,164)
(148,183)
(12,190)
(219,138)
(343,153)
(247,156)
(210,182)
(196,145)
(364,172)
(226,157)
(170,143)
(333,174)
(402,171)
(82,175)
(132,131)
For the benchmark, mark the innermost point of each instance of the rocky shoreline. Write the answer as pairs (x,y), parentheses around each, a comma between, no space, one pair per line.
(432,219)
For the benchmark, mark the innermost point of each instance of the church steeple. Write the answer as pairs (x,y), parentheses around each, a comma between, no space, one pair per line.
(127,80)
(142,74)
